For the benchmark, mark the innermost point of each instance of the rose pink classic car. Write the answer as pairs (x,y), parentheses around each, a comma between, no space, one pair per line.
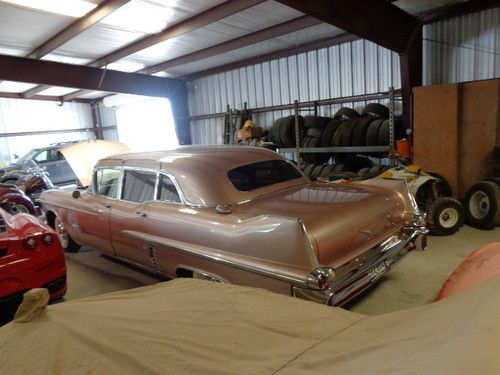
(239,215)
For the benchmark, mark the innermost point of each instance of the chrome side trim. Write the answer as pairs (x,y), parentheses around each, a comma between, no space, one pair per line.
(203,252)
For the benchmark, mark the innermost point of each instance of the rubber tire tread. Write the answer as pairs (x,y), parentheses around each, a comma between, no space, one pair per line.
(287,130)
(376,110)
(493,216)
(360,129)
(346,113)
(327,137)
(372,133)
(316,121)
(346,136)
(433,213)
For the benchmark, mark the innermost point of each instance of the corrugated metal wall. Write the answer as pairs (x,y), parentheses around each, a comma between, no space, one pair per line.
(465,48)
(456,50)
(107,118)
(354,68)
(20,115)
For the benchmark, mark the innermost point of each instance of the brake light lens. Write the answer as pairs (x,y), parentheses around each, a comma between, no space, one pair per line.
(47,239)
(30,242)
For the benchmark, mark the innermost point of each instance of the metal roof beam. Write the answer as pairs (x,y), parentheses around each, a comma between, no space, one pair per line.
(199,20)
(378,21)
(21,69)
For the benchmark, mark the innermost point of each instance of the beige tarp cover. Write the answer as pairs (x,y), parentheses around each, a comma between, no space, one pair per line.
(192,326)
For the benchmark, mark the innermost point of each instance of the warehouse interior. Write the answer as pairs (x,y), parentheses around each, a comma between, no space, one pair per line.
(369,99)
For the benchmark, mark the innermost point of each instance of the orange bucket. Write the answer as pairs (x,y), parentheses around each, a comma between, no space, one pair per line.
(403,148)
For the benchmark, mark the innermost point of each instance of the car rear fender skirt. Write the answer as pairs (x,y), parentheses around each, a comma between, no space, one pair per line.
(223,257)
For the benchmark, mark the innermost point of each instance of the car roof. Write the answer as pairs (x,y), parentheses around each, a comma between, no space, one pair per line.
(200,171)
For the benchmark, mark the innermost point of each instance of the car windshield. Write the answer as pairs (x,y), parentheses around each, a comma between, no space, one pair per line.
(25,158)
(264,173)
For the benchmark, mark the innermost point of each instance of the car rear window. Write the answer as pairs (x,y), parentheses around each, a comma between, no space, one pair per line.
(263,173)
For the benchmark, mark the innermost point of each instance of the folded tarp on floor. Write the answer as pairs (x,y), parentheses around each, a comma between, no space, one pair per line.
(193,326)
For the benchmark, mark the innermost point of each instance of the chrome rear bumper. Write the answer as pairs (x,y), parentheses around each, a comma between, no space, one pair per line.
(352,281)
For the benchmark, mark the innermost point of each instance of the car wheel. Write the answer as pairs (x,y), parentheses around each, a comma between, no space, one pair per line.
(482,205)
(445,216)
(67,242)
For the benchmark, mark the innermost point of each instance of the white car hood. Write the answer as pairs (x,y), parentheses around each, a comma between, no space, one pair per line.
(82,156)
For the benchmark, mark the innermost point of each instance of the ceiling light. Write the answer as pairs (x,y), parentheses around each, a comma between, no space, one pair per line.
(73,8)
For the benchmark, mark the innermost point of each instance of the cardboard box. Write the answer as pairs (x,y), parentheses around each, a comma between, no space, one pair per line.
(246,133)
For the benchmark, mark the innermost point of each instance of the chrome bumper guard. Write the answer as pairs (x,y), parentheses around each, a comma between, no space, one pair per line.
(390,252)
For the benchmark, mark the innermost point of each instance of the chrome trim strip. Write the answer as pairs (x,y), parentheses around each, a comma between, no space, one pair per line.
(188,249)
(158,174)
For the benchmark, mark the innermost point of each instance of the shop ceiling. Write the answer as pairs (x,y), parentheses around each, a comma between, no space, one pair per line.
(83,50)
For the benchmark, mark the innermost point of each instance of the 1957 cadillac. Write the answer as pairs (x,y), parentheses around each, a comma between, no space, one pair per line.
(239,215)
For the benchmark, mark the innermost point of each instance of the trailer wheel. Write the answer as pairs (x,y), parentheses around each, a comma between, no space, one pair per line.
(482,205)
(445,216)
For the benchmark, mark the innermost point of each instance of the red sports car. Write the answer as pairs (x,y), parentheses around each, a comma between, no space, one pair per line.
(31,256)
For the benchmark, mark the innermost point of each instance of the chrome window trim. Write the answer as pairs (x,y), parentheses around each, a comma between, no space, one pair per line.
(123,186)
(123,168)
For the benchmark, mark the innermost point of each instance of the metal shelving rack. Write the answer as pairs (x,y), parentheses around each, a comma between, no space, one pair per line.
(336,150)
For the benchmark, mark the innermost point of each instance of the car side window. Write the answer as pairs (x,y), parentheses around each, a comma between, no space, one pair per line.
(106,182)
(138,186)
(42,157)
(167,190)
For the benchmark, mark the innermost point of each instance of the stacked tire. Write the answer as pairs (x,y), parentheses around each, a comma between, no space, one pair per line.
(354,168)
(282,133)
(315,127)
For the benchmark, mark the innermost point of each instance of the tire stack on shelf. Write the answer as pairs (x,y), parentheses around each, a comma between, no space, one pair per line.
(346,129)
(315,128)
(282,133)
(353,168)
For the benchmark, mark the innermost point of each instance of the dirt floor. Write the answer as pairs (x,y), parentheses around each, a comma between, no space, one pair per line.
(416,280)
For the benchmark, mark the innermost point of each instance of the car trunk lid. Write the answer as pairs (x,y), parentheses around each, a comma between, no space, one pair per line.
(343,221)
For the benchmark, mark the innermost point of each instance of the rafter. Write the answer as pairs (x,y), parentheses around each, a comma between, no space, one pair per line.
(378,21)
(21,69)
(255,37)
(209,16)
(77,27)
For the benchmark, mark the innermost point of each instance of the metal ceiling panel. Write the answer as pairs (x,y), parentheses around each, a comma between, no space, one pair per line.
(258,17)
(98,41)
(96,95)
(289,40)
(418,6)
(16,87)
(23,28)
(133,21)
(57,91)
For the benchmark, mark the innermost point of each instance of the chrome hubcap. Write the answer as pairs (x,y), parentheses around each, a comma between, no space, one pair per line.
(479,205)
(448,218)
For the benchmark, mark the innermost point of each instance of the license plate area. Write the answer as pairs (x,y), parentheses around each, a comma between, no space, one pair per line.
(377,271)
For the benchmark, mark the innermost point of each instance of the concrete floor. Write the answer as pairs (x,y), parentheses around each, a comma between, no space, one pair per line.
(415,281)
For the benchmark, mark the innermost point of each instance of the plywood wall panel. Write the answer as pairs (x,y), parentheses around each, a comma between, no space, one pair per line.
(435,130)
(478,114)
(455,130)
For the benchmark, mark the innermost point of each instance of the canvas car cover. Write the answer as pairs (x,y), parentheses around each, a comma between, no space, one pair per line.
(193,326)
(481,265)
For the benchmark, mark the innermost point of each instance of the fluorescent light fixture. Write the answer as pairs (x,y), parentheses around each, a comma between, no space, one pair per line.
(72,8)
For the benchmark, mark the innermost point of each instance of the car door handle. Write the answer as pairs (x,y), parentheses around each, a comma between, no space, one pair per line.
(141,214)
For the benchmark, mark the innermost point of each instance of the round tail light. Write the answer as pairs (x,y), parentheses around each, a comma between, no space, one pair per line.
(47,239)
(30,242)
